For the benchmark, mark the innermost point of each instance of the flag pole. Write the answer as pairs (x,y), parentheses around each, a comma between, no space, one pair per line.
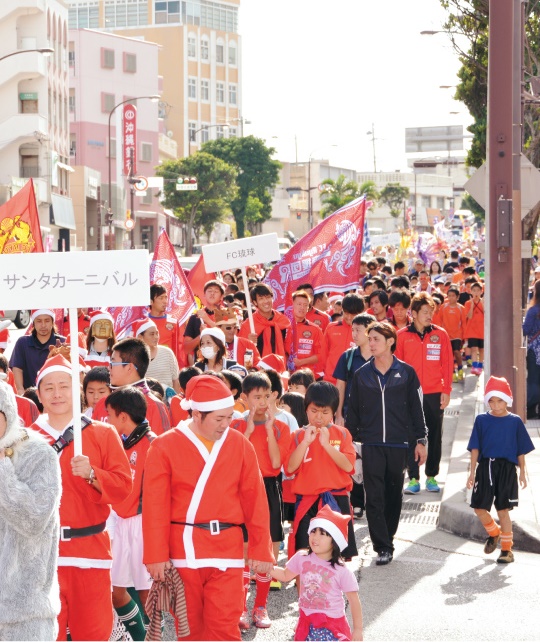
(248,300)
(75,381)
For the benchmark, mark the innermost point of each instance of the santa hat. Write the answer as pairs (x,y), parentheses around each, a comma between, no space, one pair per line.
(335,298)
(142,325)
(37,313)
(207,393)
(335,524)
(54,364)
(4,323)
(498,387)
(272,362)
(214,332)
(100,315)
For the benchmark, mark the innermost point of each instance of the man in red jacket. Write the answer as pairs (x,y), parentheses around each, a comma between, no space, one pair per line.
(428,350)
(201,484)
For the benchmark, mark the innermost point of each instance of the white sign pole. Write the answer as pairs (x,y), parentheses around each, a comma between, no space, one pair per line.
(75,381)
(248,300)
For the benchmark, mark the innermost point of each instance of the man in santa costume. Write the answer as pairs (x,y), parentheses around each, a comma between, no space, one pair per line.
(201,483)
(90,482)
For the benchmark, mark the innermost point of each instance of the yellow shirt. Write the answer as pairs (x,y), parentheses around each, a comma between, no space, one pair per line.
(207,443)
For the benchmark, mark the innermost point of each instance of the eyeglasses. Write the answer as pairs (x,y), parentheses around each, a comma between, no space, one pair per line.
(119,363)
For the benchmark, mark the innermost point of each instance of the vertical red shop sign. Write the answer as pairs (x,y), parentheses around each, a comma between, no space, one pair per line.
(130,139)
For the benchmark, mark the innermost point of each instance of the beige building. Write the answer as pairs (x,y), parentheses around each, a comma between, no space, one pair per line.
(199,59)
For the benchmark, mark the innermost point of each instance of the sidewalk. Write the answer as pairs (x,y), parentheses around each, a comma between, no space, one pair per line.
(456,516)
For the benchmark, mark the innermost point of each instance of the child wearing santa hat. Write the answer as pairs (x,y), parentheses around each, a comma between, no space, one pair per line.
(324,579)
(499,443)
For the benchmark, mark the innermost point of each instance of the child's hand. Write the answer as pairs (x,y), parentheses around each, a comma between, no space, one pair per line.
(470,481)
(250,421)
(270,417)
(357,635)
(324,436)
(310,434)
(522,479)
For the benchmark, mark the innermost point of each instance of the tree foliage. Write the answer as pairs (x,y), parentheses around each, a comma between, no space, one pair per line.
(200,209)
(257,174)
(370,190)
(394,195)
(336,194)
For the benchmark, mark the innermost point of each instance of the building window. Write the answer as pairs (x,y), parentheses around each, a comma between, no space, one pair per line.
(232,53)
(107,58)
(84,16)
(112,148)
(192,128)
(125,14)
(167,12)
(192,47)
(440,202)
(211,14)
(146,152)
(232,132)
(232,94)
(192,88)
(147,198)
(220,58)
(205,90)
(205,134)
(107,102)
(220,92)
(72,145)
(220,131)
(130,63)
(71,58)
(204,49)
(71,100)
(426,201)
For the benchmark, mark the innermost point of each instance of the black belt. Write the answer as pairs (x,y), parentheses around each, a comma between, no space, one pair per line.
(214,526)
(67,533)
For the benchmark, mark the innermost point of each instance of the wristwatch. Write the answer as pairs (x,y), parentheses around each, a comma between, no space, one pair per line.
(423,442)
(92,477)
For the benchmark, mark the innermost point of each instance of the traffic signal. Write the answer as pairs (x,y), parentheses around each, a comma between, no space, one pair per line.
(186,183)
(108,217)
(298,215)
(129,223)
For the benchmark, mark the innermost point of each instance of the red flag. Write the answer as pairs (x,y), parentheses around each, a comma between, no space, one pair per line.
(19,223)
(328,256)
(124,317)
(197,277)
(165,270)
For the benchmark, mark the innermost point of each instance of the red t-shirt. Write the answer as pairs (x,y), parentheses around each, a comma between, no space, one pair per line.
(259,440)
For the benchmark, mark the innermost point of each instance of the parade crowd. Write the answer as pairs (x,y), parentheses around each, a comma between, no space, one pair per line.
(210,447)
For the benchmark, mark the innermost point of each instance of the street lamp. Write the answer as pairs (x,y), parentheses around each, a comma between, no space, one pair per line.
(154,98)
(192,137)
(372,134)
(46,51)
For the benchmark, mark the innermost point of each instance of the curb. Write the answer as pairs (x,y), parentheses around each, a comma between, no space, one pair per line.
(456,516)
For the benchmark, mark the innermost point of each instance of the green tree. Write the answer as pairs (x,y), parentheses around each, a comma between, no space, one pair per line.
(468,203)
(257,174)
(370,190)
(393,195)
(336,194)
(199,209)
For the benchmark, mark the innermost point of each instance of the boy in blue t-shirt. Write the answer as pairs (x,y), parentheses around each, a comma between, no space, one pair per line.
(499,443)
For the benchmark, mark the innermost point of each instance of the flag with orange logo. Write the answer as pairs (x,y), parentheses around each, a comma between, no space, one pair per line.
(19,223)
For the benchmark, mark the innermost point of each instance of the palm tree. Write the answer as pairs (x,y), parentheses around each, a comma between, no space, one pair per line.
(336,194)
(370,190)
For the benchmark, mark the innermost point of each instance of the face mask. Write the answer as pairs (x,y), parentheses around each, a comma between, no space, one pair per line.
(208,352)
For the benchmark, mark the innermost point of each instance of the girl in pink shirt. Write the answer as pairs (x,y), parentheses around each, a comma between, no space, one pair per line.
(324,580)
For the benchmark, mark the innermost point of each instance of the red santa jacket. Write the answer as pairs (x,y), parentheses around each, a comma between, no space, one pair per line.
(27,410)
(431,356)
(183,482)
(82,505)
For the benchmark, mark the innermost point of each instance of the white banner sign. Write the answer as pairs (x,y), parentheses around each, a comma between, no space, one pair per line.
(241,253)
(74,279)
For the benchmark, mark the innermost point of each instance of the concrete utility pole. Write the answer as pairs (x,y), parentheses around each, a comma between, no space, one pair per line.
(503,248)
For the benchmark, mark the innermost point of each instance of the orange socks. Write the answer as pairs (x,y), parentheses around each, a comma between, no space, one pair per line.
(263,588)
(493,530)
(506,541)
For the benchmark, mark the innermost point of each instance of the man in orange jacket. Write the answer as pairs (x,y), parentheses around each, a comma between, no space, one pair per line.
(201,484)
(427,348)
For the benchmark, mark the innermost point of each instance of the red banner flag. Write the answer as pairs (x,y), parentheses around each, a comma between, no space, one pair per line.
(166,270)
(197,277)
(328,257)
(124,317)
(19,223)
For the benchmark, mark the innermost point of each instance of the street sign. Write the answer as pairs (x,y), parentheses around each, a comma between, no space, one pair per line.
(530,186)
(241,253)
(186,187)
(129,224)
(130,139)
(140,183)
(75,279)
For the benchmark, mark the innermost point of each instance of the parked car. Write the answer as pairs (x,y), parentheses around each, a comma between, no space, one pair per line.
(284,246)
(21,318)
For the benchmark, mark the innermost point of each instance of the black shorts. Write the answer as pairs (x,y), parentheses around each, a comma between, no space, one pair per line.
(272,486)
(495,479)
(457,344)
(302,536)
(475,343)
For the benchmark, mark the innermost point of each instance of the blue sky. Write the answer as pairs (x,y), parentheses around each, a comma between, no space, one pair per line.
(325,71)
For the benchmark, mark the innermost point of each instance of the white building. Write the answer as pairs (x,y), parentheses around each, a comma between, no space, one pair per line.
(34,129)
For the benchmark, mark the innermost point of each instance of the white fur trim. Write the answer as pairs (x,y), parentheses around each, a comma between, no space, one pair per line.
(264,365)
(84,562)
(102,316)
(501,395)
(216,404)
(331,529)
(41,311)
(210,562)
(145,326)
(52,369)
